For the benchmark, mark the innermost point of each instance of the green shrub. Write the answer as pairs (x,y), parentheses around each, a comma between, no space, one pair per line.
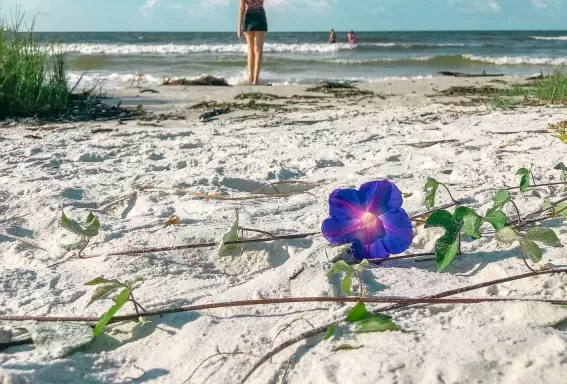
(33,76)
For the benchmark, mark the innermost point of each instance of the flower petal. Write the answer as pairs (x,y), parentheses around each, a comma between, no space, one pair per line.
(369,251)
(345,204)
(380,196)
(398,231)
(346,231)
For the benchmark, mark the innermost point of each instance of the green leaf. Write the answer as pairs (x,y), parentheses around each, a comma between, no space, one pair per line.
(561,167)
(346,284)
(346,347)
(496,217)
(340,267)
(102,280)
(505,237)
(119,302)
(471,220)
(357,313)
(431,189)
(523,171)
(230,236)
(71,225)
(546,205)
(543,235)
(501,198)
(447,246)
(130,284)
(532,250)
(379,323)
(525,183)
(93,226)
(330,332)
(103,291)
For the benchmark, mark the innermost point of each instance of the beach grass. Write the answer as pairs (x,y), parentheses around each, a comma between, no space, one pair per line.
(33,76)
(550,89)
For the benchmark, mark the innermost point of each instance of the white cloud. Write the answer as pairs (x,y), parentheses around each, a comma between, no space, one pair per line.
(476,6)
(544,4)
(149,5)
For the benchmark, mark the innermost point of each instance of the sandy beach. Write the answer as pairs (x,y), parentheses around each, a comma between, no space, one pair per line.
(314,145)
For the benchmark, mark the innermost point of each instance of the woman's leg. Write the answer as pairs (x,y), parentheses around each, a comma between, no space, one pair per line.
(251,56)
(259,38)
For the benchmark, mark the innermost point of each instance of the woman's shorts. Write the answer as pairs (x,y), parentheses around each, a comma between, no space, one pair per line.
(255,21)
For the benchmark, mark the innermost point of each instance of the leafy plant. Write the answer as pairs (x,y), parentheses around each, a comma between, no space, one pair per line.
(106,287)
(365,323)
(85,233)
(346,283)
(230,236)
(466,221)
(528,247)
(525,180)
(91,229)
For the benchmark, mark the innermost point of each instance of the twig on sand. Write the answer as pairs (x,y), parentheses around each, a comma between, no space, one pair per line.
(426,144)
(518,132)
(219,353)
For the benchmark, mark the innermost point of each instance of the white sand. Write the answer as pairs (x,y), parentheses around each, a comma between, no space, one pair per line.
(78,170)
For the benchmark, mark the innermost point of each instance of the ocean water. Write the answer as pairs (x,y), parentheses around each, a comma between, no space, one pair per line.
(291,58)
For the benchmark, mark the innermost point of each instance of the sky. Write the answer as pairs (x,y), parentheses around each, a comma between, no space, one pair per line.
(292,15)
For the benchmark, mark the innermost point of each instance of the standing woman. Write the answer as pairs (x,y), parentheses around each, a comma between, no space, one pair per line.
(252,21)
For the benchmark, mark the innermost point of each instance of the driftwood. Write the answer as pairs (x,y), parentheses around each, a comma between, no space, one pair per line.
(461,74)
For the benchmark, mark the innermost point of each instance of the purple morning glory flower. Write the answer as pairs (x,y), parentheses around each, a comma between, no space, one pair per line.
(371,219)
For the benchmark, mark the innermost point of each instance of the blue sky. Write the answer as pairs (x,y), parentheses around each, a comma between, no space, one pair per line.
(293,15)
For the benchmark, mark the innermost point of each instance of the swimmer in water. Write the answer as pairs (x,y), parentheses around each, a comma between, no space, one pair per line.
(332,37)
(352,38)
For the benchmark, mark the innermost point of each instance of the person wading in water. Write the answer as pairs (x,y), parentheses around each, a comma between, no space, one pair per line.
(333,37)
(252,21)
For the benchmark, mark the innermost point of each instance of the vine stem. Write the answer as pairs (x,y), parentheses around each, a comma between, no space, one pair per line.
(539,185)
(244,303)
(517,211)
(323,328)
(449,192)
(203,245)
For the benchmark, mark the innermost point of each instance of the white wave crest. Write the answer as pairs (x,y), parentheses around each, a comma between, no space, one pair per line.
(518,60)
(549,37)
(179,49)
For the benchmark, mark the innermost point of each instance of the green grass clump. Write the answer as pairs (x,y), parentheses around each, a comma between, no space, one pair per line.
(33,76)
(550,89)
